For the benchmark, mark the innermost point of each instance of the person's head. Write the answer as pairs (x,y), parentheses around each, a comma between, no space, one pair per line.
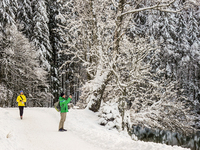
(21,92)
(62,95)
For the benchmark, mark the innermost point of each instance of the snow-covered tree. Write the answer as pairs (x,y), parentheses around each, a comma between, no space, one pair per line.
(52,10)
(40,34)
(24,18)
(20,70)
(8,10)
(98,37)
(56,12)
(70,72)
(173,34)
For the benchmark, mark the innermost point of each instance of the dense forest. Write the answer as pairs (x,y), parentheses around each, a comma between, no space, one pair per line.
(136,62)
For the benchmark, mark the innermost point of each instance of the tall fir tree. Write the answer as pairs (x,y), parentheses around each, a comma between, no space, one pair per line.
(24,17)
(8,10)
(40,35)
(56,19)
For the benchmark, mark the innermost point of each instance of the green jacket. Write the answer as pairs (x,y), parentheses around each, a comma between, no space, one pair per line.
(63,104)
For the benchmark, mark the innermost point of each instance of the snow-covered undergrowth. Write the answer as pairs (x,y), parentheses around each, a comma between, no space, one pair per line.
(110,116)
(38,130)
(4,95)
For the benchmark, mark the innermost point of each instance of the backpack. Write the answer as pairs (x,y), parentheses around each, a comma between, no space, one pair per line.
(57,106)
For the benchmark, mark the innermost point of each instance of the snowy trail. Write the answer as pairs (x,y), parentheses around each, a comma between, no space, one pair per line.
(38,131)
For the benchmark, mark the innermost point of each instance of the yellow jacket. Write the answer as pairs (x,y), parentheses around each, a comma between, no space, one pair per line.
(21,99)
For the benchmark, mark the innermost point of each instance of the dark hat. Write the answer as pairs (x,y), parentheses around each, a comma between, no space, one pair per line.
(62,94)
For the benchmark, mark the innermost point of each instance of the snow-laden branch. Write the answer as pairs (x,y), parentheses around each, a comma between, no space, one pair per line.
(118,65)
(158,6)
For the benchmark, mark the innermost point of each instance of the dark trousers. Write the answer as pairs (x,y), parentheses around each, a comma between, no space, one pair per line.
(21,110)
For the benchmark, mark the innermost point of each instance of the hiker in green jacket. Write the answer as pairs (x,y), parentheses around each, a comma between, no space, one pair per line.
(63,110)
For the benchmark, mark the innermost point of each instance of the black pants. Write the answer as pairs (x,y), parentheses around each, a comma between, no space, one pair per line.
(21,110)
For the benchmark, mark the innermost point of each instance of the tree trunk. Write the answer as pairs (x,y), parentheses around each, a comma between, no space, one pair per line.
(96,95)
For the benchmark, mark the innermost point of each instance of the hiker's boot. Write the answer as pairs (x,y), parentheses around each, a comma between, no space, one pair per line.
(60,130)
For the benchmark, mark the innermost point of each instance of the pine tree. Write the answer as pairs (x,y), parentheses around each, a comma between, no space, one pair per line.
(24,17)
(56,41)
(8,9)
(193,38)
(40,35)
(61,12)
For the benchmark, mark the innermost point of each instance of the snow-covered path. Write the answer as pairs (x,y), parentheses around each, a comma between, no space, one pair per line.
(39,131)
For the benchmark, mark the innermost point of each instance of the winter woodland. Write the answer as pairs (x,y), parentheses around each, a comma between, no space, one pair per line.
(134,62)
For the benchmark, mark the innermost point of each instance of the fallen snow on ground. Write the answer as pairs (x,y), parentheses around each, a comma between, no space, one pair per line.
(39,131)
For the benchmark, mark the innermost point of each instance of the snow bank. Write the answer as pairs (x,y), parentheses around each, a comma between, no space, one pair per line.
(85,124)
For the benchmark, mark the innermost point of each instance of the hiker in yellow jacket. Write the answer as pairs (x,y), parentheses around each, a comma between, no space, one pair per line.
(21,99)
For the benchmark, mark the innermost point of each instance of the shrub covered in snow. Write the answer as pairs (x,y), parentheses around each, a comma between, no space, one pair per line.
(110,116)
(5,94)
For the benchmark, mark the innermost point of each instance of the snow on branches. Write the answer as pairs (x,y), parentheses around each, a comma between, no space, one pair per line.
(117,65)
(20,69)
